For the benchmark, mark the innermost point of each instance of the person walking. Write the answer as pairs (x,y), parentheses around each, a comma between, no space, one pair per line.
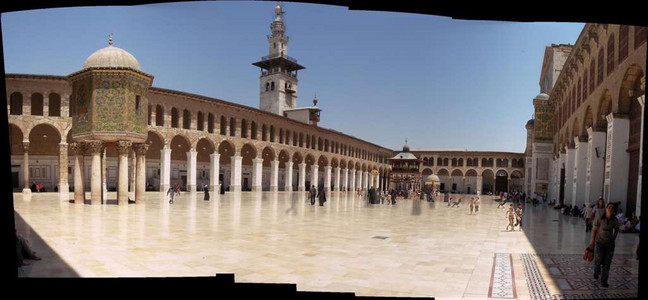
(588,217)
(477,203)
(321,194)
(472,205)
(518,216)
(171,193)
(313,194)
(206,190)
(605,232)
(510,215)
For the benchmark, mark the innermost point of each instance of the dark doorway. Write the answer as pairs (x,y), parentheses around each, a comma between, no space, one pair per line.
(561,198)
(14,180)
(501,184)
(245,184)
(634,142)
(184,182)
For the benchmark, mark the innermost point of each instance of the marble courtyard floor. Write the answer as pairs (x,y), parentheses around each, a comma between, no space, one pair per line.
(414,248)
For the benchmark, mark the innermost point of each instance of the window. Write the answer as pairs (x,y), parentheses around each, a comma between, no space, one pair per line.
(579,93)
(54,105)
(623,42)
(223,125)
(232,123)
(174,117)
(610,56)
(267,86)
(186,119)
(16,100)
(37,104)
(272,86)
(159,115)
(201,121)
(210,123)
(584,91)
(592,75)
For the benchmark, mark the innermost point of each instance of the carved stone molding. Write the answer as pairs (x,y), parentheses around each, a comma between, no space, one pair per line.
(77,148)
(140,149)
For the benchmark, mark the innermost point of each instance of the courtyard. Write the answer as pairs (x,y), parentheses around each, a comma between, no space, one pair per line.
(414,248)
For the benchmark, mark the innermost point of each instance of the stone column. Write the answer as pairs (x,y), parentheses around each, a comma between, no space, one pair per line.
(63,186)
(192,154)
(617,160)
(345,180)
(359,179)
(288,187)
(123,149)
(214,171)
(236,165)
(257,173)
(480,183)
(274,175)
(569,175)
(94,148)
(352,182)
(336,184)
(327,179)
(365,180)
(104,178)
(140,171)
(315,175)
(133,173)
(26,189)
(79,192)
(165,167)
(642,102)
(580,171)
(595,165)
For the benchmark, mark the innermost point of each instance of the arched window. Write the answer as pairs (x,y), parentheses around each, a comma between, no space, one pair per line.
(301,139)
(579,92)
(186,119)
(272,86)
(174,117)
(461,164)
(439,161)
(294,140)
(610,56)
(592,75)
(159,115)
(623,42)
(36,104)
(244,131)
(55,105)
(254,130)
(264,133)
(232,126)
(281,136)
(272,134)
(326,145)
(16,100)
(584,91)
(287,137)
(210,123)
(200,126)
(445,162)
(267,86)
(320,145)
(223,125)
(454,162)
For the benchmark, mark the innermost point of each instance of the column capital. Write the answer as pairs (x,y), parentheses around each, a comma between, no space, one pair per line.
(214,155)
(123,147)
(591,129)
(77,148)
(140,149)
(25,146)
(94,147)
(610,117)
(257,160)
(580,139)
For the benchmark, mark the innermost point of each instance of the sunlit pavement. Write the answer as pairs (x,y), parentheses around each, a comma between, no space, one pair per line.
(413,248)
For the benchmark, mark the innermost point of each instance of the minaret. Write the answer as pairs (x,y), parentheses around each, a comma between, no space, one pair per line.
(278,81)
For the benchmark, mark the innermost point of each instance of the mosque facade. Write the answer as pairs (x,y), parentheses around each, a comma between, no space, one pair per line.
(584,141)
(105,128)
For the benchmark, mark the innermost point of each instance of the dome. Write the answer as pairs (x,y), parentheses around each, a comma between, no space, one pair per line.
(406,148)
(432,178)
(542,96)
(112,57)
(531,122)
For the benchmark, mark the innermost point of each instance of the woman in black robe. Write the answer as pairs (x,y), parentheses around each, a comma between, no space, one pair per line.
(206,189)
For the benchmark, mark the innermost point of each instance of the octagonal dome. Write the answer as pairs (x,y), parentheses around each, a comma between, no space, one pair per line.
(112,57)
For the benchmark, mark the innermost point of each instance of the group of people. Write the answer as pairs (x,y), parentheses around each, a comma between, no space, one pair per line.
(318,193)
(37,188)
(514,216)
(172,192)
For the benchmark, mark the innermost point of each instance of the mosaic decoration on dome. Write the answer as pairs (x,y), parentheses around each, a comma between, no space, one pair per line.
(543,125)
(80,106)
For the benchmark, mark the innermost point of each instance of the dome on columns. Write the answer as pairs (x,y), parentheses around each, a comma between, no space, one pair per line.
(406,148)
(542,96)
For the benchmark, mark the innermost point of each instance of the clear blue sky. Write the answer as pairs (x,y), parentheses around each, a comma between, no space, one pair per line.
(379,76)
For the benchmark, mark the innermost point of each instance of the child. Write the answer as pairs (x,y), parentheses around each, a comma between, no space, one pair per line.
(510,215)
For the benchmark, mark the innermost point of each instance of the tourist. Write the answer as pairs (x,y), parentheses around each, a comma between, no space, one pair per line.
(472,205)
(502,204)
(477,203)
(621,217)
(588,217)
(171,193)
(456,203)
(206,189)
(598,211)
(605,231)
(34,187)
(321,194)
(23,251)
(313,194)
(510,215)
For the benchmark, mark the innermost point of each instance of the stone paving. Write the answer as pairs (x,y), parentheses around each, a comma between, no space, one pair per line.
(413,248)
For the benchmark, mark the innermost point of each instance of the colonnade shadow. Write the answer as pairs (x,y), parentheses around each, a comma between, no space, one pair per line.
(51,261)
(559,242)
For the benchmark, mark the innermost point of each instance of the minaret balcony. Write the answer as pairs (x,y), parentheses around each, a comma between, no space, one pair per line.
(271,56)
